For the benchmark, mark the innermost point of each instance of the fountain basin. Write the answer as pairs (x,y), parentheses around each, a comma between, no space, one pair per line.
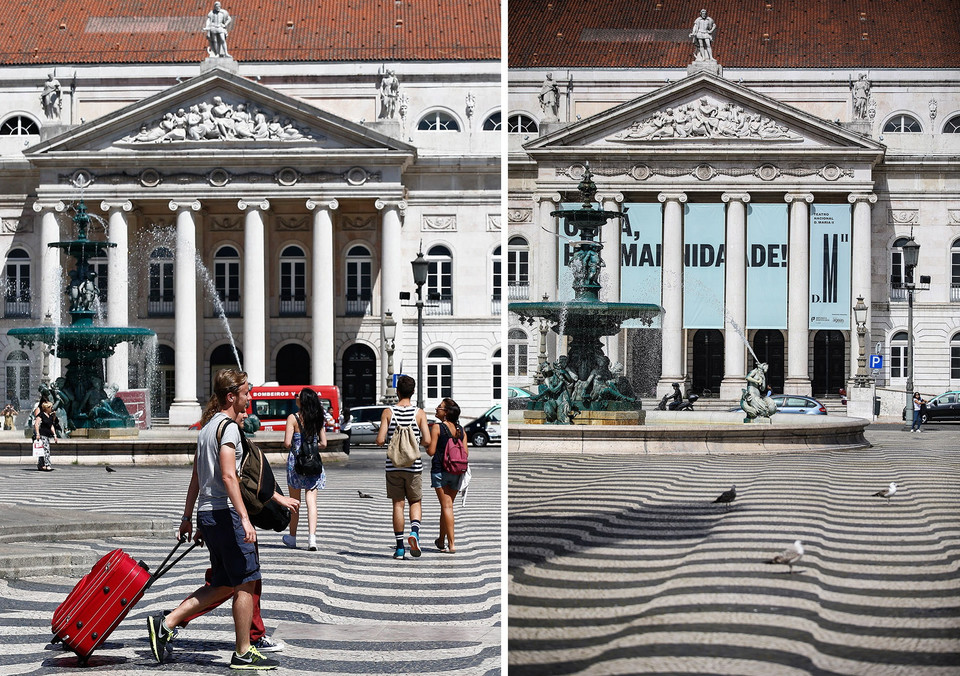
(96,341)
(694,432)
(598,317)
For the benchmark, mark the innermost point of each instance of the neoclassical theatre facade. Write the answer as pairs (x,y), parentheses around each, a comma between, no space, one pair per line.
(266,204)
(766,189)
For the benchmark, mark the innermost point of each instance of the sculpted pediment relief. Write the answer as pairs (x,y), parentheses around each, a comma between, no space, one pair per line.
(215,120)
(705,118)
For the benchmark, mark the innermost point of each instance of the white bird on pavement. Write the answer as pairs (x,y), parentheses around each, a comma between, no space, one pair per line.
(789,556)
(888,492)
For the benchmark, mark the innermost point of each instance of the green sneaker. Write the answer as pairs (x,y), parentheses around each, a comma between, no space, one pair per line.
(252,660)
(159,637)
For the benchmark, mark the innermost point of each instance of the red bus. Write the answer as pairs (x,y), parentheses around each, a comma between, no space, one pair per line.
(273,403)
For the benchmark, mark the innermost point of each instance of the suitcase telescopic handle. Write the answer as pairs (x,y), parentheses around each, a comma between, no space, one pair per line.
(163,568)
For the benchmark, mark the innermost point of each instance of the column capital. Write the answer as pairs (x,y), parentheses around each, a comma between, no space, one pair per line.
(541,197)
(735,197)
(110,205)
(672,197)
(253,203)
(791,197)
(382,204)
(49,205)
(610,196)
(317,203)
(855,197)
(183,205)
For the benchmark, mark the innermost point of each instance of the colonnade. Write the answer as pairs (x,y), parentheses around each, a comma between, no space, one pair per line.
(186,407)
(673,363)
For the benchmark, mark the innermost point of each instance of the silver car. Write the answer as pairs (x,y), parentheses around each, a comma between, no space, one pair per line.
(364,423)
(795,403)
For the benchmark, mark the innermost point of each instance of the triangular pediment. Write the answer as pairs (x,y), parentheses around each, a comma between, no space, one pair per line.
(219,112)
(703,112)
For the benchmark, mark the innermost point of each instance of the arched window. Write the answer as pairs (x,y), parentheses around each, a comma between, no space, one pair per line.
(17,369)
(518,268)
(496,274)
(902,124)
(359,285)
(955,271)
(493,122)
(226,278)
(440,280)
(99,266)
(516,353)
(16,284)
(952,126)
(521,124)
(899,274)
(293,282)
(438,121)
(160,298)
(898,355)
(497,377)
(955,357)
(439,374)
(19,125)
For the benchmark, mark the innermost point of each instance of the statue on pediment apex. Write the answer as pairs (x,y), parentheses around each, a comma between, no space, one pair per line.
(218,21)
(703,29)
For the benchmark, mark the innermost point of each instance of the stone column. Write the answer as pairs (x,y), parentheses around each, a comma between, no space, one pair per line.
(735,303)
(671,370)
(798,295)
(185,409)
(254,294)
(118,286)
(392,260)
(51,277)
(323,314)
(610,237)
(860,277)
(544,248)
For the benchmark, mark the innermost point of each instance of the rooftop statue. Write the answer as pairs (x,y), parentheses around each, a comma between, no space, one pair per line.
(702,34)
(861,96)
(549,99)
(389,93)
(218,22)
(51,98)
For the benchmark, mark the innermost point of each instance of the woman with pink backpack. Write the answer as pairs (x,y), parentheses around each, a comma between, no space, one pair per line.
(448,449)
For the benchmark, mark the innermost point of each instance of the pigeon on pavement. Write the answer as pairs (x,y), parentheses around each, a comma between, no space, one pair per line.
(789,556)
(110,469)
(728,496)
(888,492)
(363,495)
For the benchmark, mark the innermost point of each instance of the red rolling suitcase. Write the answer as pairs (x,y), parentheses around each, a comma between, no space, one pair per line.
(103,597)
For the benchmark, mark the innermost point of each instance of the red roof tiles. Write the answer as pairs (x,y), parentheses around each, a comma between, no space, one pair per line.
(750,33)
(158,31)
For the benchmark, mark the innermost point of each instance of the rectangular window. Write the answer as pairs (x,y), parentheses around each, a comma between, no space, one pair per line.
(439,381)
(955,362)
(497,381)
(293,288)
(517,359)
(898,361)
(226,277)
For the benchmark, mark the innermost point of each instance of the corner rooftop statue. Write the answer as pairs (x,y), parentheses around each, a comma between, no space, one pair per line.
(80,397)
(582,382)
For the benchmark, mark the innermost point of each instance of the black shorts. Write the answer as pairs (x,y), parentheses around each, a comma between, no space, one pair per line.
(233,561)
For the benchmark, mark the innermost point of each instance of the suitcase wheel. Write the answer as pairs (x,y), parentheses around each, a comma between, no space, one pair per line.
(55,640)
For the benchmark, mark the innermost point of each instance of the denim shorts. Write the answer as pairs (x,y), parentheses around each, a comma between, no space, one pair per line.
(445,480)
(233,561)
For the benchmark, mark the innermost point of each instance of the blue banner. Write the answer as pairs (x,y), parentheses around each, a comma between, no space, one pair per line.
(704,233)
(830,266)
(767,266)
(641,245)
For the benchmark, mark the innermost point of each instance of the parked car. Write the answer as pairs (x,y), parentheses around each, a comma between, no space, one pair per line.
(943,407)
(514,392)
(484,429)
(795,403)
(363,423)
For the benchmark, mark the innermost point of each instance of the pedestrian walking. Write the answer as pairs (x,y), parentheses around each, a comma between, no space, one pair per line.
(223,524)
(306,424)
(919,408)
(446,483)
(404,483)
(45,429)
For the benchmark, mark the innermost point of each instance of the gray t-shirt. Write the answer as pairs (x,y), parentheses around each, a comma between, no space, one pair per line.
(213,494)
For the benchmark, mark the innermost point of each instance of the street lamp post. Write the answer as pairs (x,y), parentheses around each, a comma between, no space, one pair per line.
(860,313)
(420,269)
(911,255)
(389,335)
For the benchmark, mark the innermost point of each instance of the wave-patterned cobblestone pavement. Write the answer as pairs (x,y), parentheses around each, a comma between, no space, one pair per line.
(624,565)
(349,608)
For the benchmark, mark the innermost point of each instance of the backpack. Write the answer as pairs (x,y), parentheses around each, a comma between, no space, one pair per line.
(403,449)
(307,461)
(454,455)
(257,485)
